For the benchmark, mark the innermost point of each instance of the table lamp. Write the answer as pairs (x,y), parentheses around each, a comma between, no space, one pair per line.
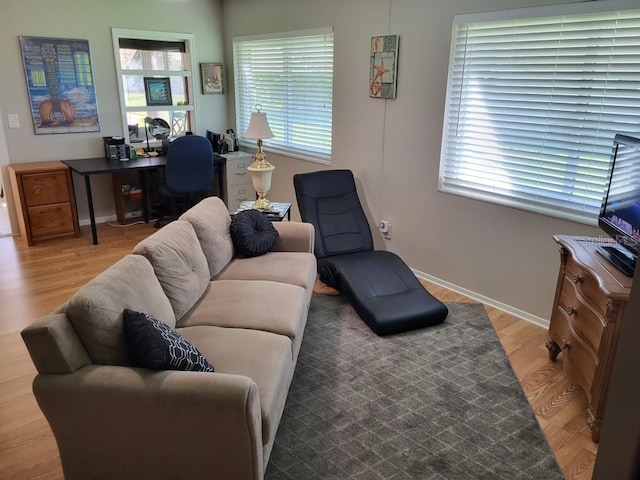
(260,169)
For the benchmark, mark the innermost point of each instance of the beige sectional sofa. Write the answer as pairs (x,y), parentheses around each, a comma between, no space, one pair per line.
(245,315)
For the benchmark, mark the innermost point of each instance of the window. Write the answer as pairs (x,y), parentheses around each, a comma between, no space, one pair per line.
(150,55)
(534,99)
(291,76)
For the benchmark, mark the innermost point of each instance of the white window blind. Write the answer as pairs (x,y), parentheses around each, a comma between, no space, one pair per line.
(533,105)
(291,76)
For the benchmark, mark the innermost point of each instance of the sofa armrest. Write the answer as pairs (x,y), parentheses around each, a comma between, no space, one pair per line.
(122,422)
(294,237)
(54,345)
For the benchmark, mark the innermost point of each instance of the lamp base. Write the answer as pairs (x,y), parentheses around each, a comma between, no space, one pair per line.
(262,204)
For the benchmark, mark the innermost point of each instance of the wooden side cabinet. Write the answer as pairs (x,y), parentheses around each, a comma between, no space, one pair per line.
(588,309)
(45,201)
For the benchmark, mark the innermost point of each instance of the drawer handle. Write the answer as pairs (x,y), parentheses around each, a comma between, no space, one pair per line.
(570,310)
(564,345)
(577,278)
(51,210)
(47,178)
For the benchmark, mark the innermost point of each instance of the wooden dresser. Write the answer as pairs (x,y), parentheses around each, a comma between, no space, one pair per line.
(44,199)
(588,309)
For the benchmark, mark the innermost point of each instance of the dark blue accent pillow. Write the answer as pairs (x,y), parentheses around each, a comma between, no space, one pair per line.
(252,233)
(154,344)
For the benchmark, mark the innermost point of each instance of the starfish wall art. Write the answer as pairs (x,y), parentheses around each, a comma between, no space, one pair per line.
(383,66)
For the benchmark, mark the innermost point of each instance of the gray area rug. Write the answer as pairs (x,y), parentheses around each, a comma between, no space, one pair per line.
(437,403)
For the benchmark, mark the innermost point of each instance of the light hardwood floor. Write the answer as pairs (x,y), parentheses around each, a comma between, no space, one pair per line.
(35,280)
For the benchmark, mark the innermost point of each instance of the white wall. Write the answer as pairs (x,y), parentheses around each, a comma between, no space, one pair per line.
(93,20)
(393,146)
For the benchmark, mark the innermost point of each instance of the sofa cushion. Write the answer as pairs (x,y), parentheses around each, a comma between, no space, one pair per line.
(252,233)
(96,310)
(210,220)
(296,268)
(234,351)
(178,262)
(153,344)
(258,305)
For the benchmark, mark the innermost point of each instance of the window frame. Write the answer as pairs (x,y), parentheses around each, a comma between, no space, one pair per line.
(453,114)
(189,73)
(269,146)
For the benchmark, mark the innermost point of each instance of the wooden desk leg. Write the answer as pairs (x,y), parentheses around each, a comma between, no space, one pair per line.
(116,180)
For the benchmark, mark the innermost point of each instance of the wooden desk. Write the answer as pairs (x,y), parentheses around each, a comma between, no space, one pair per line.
(588,310)
(96,166)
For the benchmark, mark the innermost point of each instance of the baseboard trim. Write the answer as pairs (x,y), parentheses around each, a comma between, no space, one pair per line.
(541,322)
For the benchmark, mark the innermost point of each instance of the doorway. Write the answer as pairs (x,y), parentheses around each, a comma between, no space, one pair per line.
(5,222)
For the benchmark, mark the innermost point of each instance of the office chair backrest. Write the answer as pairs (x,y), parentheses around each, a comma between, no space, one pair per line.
(189,166)
(329,201)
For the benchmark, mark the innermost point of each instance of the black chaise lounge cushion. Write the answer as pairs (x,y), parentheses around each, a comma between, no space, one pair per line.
(380,286)
(384,291)
(252,233)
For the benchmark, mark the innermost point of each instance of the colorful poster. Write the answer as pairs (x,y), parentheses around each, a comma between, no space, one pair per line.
(60,85)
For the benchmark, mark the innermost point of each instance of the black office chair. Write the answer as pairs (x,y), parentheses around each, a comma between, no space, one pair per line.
(188,175)
(381,287)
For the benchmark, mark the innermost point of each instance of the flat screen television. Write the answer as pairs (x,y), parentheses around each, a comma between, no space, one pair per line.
(620,212)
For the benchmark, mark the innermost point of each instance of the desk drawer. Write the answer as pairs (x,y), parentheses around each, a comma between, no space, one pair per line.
(237,173)
(51,220)
(45,188)
(239,194)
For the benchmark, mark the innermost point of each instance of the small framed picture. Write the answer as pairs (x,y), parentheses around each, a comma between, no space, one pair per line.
(157,91)
(212,76)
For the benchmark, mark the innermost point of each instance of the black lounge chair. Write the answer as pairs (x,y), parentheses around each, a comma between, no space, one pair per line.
(380,286)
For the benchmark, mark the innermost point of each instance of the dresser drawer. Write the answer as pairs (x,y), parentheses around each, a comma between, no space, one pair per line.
(579,362)
(51,220)
(237,173)
(45,188)
(586,321)
(587,286)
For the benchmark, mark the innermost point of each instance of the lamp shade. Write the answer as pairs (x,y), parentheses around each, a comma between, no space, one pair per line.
(258,126)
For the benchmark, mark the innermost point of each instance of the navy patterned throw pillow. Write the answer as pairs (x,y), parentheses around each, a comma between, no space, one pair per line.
(153,344)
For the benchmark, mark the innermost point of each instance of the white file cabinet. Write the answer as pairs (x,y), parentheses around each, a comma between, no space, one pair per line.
(239,186)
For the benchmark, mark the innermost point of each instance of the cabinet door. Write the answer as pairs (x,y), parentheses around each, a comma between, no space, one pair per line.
(47,220)
(45,188)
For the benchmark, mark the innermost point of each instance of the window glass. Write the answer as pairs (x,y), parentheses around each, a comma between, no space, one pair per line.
(291,77)
(533,104)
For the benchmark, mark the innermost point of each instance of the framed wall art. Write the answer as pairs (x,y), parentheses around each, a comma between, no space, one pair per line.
(383,74)
(212,76)
(157,91)
(60,85)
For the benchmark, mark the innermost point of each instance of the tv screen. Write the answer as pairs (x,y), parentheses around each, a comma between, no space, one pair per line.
(620,212)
